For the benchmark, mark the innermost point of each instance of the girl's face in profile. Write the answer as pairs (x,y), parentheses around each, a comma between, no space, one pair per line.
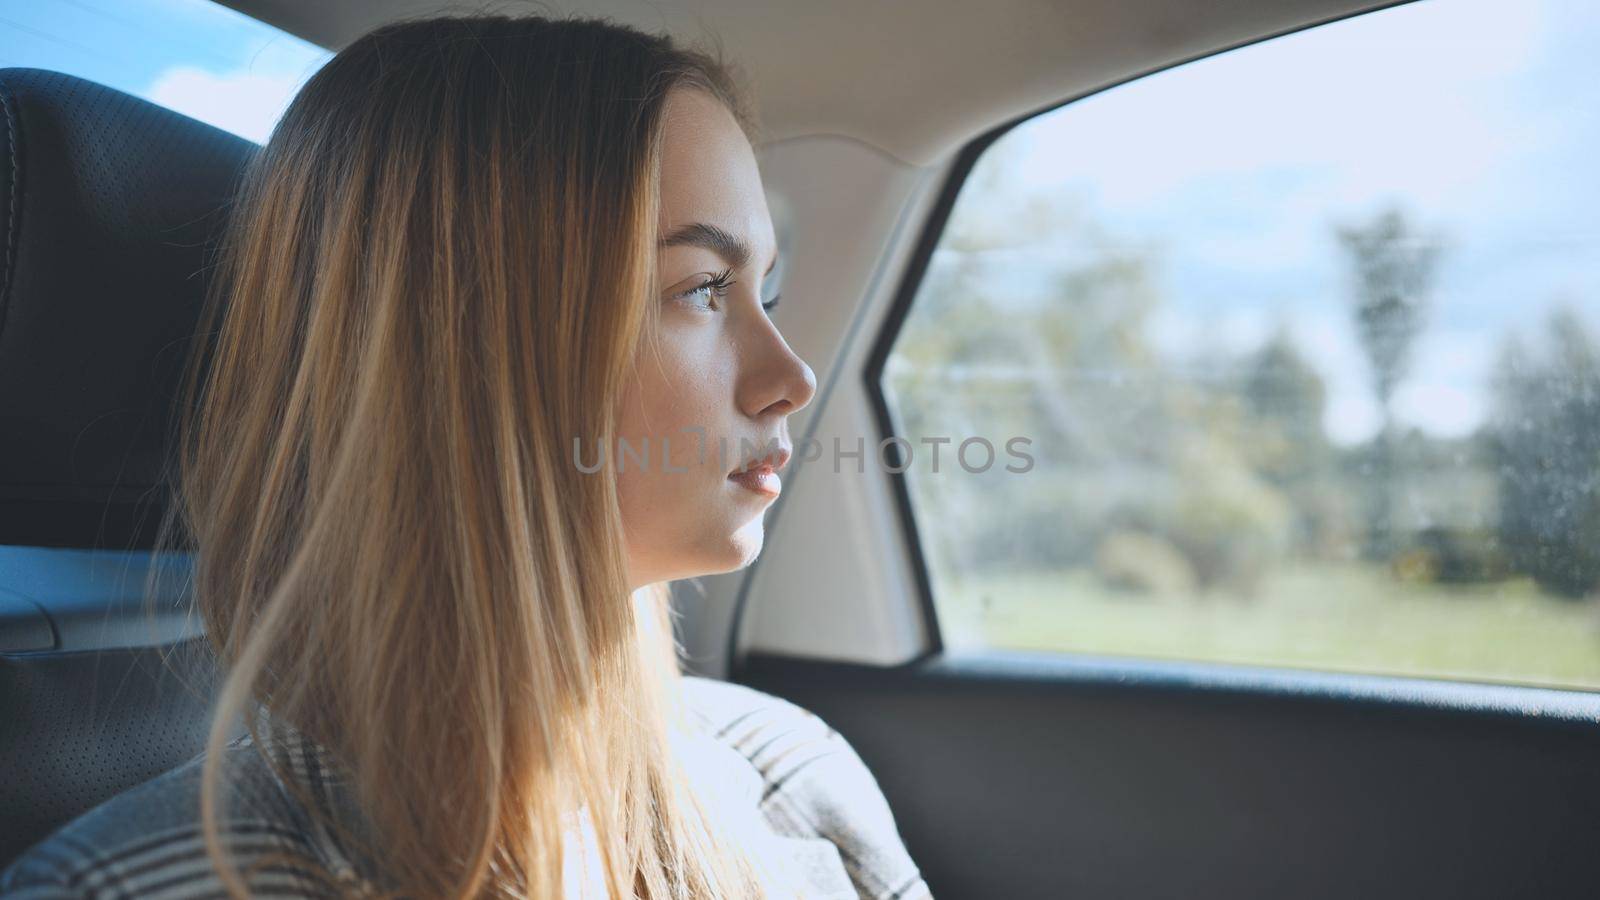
(717,390)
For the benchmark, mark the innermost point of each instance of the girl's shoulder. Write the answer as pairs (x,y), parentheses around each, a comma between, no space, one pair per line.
(149,841)
(806,779)
(812,782)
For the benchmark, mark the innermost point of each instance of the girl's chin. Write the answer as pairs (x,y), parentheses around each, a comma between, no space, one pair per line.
(744,545)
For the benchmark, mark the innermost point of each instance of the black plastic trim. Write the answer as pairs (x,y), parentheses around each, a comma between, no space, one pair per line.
(1024,671)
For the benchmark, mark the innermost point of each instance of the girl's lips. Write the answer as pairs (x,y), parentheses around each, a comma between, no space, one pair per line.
(762,480)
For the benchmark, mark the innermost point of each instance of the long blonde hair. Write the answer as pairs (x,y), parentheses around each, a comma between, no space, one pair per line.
(434,280)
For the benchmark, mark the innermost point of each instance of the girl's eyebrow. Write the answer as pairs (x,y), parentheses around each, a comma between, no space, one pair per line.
(734,251)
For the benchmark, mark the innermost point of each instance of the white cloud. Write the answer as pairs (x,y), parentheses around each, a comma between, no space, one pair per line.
(1392,98)
(1351,418)
(1440,409)
(242,102)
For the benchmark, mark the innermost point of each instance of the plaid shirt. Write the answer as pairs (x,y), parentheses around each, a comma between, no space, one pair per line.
(813,791)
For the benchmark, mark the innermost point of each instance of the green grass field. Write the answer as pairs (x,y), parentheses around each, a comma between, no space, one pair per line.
(1334,617)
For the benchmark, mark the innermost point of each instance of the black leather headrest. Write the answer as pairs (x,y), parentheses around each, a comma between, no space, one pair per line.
(109,211)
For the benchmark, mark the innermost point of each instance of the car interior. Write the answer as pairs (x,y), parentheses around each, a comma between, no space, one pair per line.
(1015,768)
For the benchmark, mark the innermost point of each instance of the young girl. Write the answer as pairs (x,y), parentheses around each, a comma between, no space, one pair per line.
(492,363)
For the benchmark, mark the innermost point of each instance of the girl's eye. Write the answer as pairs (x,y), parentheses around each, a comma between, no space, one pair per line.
(717,286)
(772,304)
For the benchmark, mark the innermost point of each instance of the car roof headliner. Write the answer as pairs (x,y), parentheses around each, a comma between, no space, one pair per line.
(915,80)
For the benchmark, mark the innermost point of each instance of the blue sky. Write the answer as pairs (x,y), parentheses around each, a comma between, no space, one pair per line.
(192,55)
(1480,118)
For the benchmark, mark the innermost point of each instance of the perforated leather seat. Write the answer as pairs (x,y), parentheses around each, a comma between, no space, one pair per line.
(109,211)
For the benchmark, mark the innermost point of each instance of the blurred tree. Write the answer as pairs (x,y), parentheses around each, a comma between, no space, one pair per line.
(1545,432)
(1393,268)
(1288,446)
(1033,320)
(1286,394)
(1030,323)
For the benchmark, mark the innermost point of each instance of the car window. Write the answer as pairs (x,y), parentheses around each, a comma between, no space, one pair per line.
(194,56)
(1302,342)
